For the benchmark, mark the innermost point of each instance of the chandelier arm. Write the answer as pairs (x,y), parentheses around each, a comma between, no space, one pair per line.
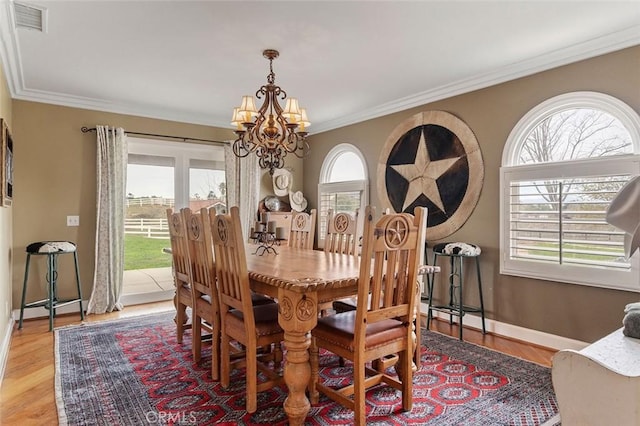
(244,145)
(302,149)
(297,141)
(239,150)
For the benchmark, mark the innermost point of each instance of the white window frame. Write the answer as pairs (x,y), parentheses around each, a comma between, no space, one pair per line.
(325,186)
(614,165)
(183,153)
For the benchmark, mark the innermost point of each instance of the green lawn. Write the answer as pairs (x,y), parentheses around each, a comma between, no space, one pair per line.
(615,251)
(141,252)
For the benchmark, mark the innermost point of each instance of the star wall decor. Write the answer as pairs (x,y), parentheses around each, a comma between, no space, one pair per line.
(432,160)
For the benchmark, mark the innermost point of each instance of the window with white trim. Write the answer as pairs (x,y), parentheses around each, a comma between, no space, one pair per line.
(344,185)
(562,165)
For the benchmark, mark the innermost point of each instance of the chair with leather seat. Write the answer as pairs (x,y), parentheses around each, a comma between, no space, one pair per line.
(303,229)
(202,276)
(180,263)
(252,326)
(202,280)
(342,238)
(350,303)
(382,324)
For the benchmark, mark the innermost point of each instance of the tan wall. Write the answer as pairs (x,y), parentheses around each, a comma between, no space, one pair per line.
(6,214)
(55,176)
(578,312)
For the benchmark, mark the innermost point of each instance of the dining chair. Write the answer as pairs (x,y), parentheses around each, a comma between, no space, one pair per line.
(341,234)
(382,324)
(341,237)
(303,229)
(205,306)
(252,326)
(350,304)
(180,265)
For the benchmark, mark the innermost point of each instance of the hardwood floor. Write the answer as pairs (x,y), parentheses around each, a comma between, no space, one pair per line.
(538,354)
(27,393)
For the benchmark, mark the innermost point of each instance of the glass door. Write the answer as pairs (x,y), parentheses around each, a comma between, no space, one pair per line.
(163,175)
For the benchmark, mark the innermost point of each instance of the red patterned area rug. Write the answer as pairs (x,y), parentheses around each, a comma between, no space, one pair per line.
(133,372)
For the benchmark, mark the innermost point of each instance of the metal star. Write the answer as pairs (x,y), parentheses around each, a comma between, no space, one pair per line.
(422,175)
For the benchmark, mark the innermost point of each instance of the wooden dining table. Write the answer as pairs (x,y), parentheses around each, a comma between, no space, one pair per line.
(300,279)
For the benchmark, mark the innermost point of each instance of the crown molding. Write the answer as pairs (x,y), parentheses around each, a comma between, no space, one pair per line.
(116,108)
(595,47)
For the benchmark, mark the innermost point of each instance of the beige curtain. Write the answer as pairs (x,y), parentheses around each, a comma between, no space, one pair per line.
(242,177)
(111,182)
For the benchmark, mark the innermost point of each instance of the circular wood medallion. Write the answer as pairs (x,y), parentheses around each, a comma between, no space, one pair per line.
(432,160)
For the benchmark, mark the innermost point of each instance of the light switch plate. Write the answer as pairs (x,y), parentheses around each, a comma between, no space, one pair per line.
(73,220)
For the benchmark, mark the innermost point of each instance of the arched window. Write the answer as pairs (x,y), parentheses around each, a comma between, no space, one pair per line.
(344,184)
(562,165)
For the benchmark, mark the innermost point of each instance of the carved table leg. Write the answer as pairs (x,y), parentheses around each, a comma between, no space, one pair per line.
(297,317)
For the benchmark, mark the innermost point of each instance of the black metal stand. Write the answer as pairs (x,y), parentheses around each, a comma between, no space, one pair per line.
(265,240)
(456,281)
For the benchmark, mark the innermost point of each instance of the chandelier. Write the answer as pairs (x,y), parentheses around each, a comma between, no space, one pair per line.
(270,132)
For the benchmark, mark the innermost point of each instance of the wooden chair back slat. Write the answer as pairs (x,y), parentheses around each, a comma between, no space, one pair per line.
(303,230)
(231,264)
(389,267)
(179,251)
(341,234)
(203,269)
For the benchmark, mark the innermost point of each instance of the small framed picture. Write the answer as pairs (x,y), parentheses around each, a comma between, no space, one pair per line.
(6,162)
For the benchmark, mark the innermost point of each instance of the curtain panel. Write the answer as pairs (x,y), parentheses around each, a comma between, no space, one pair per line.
(111,165)
(242,176)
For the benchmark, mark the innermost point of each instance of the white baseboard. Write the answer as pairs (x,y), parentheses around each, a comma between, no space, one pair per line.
(126,300)
(4,348)
(535,337)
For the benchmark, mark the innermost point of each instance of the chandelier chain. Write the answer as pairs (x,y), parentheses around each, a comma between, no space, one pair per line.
(271,78)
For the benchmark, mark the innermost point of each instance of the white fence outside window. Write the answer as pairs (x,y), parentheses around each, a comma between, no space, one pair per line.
(150,228)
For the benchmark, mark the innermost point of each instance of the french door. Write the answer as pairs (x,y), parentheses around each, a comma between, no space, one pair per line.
(162,175)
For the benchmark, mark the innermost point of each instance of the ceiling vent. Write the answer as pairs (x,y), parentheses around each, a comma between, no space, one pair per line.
(29,17)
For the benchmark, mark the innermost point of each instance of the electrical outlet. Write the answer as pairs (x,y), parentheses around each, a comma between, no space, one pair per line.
(73,220)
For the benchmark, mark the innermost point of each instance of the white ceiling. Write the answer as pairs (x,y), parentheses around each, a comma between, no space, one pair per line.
(345,61)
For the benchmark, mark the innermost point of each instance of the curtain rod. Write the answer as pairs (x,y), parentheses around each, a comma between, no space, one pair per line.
(182,138)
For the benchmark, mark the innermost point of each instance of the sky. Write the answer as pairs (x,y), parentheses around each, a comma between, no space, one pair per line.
(146,181)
